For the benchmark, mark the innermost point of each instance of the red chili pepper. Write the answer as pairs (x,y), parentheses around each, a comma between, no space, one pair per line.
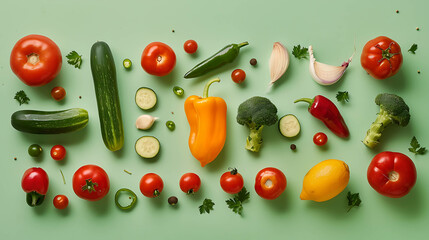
(326,111)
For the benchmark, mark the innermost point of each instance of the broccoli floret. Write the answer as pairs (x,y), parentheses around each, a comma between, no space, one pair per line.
(255,113)
(393,109)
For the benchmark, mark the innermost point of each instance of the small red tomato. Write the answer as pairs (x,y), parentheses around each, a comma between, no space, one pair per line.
(58,152)
(270,183)
(392,174)
(232,181)
(320,139)
(190,46)
(238,75)
(61,201)
(151,185)
(35,183)
(381,57)
(158,59)
(36,60)
(190,183)
(58,93)
(91,182)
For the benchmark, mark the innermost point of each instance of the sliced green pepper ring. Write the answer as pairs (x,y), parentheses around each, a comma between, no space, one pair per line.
(132,195)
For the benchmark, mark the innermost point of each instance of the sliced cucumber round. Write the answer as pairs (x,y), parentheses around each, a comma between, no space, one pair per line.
(289,126)
(145,98)
(147,147)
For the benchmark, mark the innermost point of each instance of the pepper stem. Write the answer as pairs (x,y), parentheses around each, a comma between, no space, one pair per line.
(243,44)
(307,100)
(206,88)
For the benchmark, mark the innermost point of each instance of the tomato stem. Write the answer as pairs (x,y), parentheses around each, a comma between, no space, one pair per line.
(386,54)
(33,58)
(89,186)
(156,193)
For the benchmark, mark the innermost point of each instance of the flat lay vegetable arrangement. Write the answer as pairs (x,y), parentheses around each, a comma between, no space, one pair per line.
(261,118)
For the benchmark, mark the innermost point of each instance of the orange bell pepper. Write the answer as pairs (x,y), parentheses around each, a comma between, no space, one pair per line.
(207,120)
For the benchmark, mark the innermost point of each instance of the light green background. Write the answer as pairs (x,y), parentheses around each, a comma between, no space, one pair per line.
(332,27)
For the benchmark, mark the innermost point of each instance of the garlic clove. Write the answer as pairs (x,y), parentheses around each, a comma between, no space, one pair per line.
(144,122)
(279,61)
(325,74)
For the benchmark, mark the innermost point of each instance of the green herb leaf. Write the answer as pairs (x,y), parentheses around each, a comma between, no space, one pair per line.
(415,147)
(413,49)
(207,206)
(21,97)
(236,203)
(299,52)
(74,59)
(342,96)
(353,200)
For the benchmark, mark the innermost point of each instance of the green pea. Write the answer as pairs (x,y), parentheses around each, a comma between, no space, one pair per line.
(35,150)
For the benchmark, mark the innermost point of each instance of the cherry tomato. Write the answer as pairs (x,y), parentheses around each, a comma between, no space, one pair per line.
(190,46)
(91,182)
(232,181)
(58,152)
(392,174)
(36,60)
(320,139)
(270,183)
(58,93)
(35,183)
(35,150)
(190,183)
(238,75)
(381,57)
(61,201)
(151,185)
(158,59)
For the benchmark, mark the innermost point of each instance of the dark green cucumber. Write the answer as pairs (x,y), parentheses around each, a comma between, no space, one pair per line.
(106,91)
(50,122)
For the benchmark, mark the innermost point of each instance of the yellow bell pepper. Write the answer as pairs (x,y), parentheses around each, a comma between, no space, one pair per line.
(207,120)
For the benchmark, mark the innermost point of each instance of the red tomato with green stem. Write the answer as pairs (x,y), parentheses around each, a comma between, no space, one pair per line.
(270,183)
(60,201)
(320,139)
(36,60)
(232,181)
(91,182)
(158,59)
(392,174)
(190,46)
(190,183)
(151,185)
(381,57)
(58,152)
(35,183)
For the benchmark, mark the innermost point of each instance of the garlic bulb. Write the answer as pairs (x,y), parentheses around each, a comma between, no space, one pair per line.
(279,61)
(326,74)
(144,122)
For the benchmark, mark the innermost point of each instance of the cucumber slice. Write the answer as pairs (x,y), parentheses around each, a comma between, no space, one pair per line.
(289,126)
(147,147)
(145,98)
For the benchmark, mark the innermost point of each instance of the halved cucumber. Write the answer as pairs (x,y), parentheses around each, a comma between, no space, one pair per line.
(147,147)
(145,98)
(289,125)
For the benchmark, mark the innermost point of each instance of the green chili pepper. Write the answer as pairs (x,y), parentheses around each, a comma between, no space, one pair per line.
(127,63)
(178,91)
(224,56)
(170,125)
(133,196)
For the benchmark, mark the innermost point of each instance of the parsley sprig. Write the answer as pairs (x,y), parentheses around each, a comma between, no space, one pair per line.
(415,147)
(353,200)
(413,49)
(74,59)
(299,52)
(207,206)
(236,203)
(21,97)
(342,96)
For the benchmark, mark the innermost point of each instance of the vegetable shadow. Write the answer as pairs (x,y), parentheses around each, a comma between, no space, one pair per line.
(102,206)
(280,204)
(335,207)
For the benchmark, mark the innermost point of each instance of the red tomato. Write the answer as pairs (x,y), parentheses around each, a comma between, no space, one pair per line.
(270,183)
(190,183)
(61,201)
(238,75)
(36,60)
(158,59)
(151,185)
(90,182)
(58,93)
(35,183)
(58,152)
(320,139)
(232,181)
(381,57)
(190,46)
(392,174)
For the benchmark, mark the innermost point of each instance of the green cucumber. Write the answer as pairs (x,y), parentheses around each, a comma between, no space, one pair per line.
(147,147)
(145,98)
(289,126)
(50,122)
(106,91)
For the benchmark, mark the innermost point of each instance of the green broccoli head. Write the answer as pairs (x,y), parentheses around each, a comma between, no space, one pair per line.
(255,113)
(393,109)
